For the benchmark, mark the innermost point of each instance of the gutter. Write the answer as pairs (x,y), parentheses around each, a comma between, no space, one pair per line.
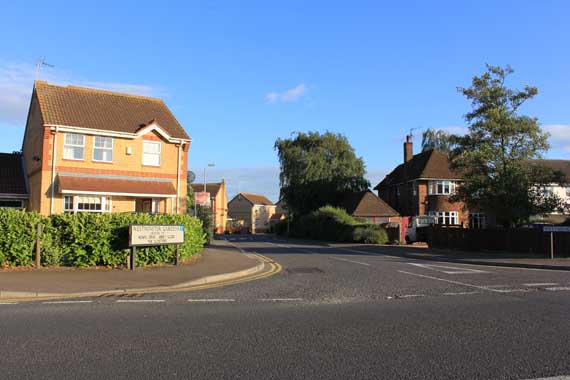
(53,158)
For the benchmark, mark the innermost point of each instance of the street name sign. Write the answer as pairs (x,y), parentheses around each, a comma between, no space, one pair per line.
(147,235)
(556,229)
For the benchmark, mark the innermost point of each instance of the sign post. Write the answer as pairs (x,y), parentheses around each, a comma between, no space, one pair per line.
(552,230)
(152,235)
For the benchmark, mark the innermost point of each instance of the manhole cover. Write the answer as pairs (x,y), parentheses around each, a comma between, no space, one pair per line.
(304,270)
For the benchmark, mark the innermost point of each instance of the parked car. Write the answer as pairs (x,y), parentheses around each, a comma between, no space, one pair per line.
(417,229)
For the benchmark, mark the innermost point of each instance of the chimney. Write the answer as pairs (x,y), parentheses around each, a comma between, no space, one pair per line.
(408,149)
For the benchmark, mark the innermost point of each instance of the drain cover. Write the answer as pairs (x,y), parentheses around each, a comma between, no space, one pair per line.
(304,270)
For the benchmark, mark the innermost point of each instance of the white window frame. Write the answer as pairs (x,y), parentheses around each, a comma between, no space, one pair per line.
(95,147)
(106,204)
(145,142)
(443,187)
(73,146)
(445,217)
(481,219)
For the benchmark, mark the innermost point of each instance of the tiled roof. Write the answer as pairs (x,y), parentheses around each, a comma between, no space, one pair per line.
(256,199)
(103,110)
(429,164)
(122,186)
(211,188)
(12,177)
(366,203)
(562,166)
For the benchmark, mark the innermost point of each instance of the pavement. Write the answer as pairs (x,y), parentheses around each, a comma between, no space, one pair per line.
(504,259)
(219,262)
(331,313)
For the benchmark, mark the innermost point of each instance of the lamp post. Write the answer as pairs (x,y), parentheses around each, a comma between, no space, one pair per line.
(211,164)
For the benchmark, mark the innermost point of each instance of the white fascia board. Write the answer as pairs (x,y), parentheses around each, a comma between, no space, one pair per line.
(118,194)
(100,132)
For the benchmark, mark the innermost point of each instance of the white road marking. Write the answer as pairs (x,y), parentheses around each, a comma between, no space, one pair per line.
(350,261)
(454,282)
(64,302)
(367,253)
(459,293)
(279,245)
(8,303)
(552,378)
(211,300)
(558,288)
(454,270)
(280,299)
(542,284)
(411,295)
(140,301)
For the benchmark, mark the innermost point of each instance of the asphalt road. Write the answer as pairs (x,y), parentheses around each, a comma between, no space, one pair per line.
(332,313)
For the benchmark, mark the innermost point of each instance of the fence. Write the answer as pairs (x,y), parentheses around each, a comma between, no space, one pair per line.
(531,241)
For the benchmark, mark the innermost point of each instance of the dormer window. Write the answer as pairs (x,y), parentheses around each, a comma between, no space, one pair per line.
(73,146)
(102,149)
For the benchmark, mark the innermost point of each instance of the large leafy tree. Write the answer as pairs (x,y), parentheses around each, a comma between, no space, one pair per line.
(496,156)
(316,169)
(438,139)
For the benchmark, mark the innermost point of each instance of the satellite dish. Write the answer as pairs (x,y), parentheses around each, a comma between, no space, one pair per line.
(191,176)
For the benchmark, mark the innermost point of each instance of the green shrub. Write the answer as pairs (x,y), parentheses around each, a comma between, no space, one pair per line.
(335,224)
(87,239)
(280,228)
(204,213)
(369,234)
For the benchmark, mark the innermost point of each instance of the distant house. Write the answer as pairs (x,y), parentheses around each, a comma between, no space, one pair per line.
(13,181)
(218,202)
(253,211)
(366,206)
(562,190)
(423,185)
(88,150)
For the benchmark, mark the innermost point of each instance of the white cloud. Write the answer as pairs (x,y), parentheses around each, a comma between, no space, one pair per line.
(559,135)
(288,96)
(17,80)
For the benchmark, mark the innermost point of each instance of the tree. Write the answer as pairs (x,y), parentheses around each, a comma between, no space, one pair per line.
(204,213)
(190,200)
(438,139)
(317,169)
(496,156)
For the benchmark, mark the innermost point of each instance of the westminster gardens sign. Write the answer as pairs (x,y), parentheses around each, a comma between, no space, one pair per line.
(151,235)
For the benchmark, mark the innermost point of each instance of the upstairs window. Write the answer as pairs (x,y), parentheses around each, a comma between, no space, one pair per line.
(73,146)
(102,149)
(151,153)
(442,187)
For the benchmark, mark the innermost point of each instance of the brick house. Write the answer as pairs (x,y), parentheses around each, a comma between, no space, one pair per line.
(218,202)
(422,185)
(252,211)
(88,150)
(13,181)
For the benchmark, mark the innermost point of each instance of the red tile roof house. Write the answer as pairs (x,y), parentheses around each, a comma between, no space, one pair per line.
(366,206)
(423,184)
(13,181)
(88,150)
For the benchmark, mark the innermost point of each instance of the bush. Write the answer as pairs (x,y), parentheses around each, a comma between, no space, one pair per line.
(369,234)
(280,228)
(87,239)
(205,215)
(334,224)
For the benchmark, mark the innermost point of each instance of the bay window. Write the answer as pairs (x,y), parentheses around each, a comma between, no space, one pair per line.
(442,187)
(86,203)
(445,217)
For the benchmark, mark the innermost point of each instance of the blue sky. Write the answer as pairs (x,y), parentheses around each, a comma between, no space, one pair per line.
(239,74)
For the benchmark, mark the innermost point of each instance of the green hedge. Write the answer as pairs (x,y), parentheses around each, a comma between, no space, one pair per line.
(334,224)
(87,239)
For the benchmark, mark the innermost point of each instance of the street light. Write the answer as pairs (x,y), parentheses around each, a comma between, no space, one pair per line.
(211,164)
